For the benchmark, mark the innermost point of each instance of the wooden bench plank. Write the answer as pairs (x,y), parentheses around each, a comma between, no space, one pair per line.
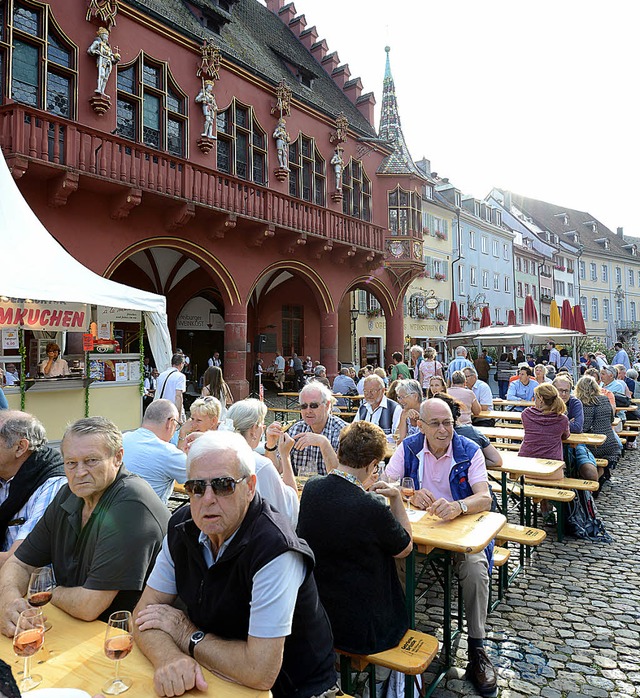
(524,535)
(500,556)
(567,483)
(411,656)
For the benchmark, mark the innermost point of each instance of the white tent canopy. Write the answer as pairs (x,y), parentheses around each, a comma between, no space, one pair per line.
(52,274)
(515,334)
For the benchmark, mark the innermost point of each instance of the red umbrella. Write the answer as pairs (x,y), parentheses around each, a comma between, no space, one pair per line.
(567,316)
(578,319)
(453,326)
(511,317)
(530,312)
(485,319)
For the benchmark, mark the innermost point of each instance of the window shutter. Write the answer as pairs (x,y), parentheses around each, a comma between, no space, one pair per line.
(428,267)
(445,269)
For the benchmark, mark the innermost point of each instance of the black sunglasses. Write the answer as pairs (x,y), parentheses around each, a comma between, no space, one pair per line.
(312,405)
(221,486)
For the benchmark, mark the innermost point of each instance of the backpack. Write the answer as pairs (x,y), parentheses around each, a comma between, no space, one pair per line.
(582,519)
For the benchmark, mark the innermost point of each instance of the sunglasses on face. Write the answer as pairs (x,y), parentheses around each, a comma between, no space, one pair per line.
(221,486)
(312,405)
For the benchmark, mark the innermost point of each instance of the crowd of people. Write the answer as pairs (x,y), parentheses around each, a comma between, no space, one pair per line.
(246,579)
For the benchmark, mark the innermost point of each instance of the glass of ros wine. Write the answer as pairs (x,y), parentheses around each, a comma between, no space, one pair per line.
(407,489)
(41,586)
(27,640)
(118,642)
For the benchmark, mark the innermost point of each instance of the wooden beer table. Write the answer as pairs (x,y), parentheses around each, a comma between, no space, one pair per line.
(73,657)
(518,435)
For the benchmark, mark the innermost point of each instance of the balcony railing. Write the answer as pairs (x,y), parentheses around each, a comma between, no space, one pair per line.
(627,325)
(69,145)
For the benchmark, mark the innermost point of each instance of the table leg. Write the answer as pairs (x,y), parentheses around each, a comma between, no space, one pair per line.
(446,634)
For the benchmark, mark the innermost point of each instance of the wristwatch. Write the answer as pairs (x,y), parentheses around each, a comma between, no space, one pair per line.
(197,637)
(463,506)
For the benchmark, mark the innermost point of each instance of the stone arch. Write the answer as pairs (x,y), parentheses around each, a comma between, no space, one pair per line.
(377,288)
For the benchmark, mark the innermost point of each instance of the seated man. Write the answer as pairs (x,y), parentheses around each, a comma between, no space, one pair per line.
(101,533)
(522,388)
(245,578)
(148,453)
(316,435)
(450,479)
(342,384)
(377,408)
(31,474)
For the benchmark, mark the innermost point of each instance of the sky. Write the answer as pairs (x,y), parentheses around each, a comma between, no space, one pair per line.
(537,97)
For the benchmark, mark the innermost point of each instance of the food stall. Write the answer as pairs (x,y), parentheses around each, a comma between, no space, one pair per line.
(51,297)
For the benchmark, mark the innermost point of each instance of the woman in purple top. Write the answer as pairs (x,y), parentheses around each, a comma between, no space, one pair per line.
(545,424)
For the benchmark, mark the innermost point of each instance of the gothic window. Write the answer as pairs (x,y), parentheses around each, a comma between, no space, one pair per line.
(292,329)
(356,191)
(405,212)
(151,108)
(307,178)
(242,144)
(44,61)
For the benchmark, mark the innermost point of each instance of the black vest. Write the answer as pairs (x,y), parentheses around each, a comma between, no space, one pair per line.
(218,598)
(386,416)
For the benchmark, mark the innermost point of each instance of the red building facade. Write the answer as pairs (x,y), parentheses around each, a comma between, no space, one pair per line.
(128,184)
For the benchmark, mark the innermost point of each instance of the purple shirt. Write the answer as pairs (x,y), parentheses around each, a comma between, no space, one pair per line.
(543,434)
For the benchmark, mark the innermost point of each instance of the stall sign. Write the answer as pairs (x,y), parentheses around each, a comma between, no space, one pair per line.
(45,315)
(87,342)
(108,314)
(10,339)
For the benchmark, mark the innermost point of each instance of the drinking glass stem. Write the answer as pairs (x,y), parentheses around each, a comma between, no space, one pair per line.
(117,677)
(27,669)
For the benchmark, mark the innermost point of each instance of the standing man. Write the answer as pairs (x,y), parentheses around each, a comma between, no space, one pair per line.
(253,613)
(417,354)
(298,371)
(317,434)
(459,363)
(554,354)
(400,370)
(101,533)
(172,384)
(149,453)
(215,360)
(482,366)
(31,474)
(377,408)
(621,356)
(278,377)
(450,478)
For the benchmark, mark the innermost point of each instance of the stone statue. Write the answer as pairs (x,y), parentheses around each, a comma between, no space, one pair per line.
(209,108)
(338,166)
(282,144)
(106,58)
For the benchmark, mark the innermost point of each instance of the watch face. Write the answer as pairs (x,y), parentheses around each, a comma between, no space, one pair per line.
(197,636)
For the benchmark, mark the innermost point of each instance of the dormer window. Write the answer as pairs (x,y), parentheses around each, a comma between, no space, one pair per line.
(427,191)
(304,77)
(593,225)
(477,209)
(457,198)
(604,242)
(632,248)
(564,218)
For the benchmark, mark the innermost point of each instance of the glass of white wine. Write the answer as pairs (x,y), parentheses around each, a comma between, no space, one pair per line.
(27,640)
(118,642)
(407,489)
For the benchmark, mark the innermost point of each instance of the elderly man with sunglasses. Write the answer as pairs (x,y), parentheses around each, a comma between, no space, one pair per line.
(450,477)
(317,434)
(149,453)
(253,613)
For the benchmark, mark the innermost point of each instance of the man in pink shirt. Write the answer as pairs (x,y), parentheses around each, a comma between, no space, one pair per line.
(450,478)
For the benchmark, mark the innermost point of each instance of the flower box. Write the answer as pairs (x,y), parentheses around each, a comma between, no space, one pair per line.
(440,235)
(440,316)
(439,277)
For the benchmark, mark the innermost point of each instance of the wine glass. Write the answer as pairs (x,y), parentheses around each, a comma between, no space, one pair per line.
(118,642)
(41,586)
(27,640)
(407,489)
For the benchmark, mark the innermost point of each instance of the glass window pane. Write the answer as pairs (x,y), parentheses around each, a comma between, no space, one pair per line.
(224,155)
(25,19)
(126,79)
(366,209)
(151,120)
(57,53)
(293,182)
(259,167)
(174,103)
(242,117)
(1,22)
(242,155)
(58,94)
(293,152)
(307,179)
(306,148)
(319,193)
(393,220)
(126,119)
(175,138)
(319,164)
(404,198)
(24,85)
(222,122)
(258,139)
(151,75)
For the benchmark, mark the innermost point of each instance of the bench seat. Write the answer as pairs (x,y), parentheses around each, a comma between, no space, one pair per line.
(523,535)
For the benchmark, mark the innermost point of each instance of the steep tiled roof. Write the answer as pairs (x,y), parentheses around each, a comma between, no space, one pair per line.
(258,40)
(549,217)
(400,161)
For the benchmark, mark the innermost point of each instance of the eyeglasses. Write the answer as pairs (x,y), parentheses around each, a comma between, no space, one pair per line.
(312,405)
(434,424)
(209,398)
(221,486)
(179,424)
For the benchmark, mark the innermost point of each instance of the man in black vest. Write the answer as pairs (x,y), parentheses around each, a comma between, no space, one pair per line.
(377,408)
(245,578)
(31,474)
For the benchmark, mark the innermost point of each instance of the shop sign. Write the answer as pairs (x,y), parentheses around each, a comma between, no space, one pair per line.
(45,315)
(199,314)
(10,339)
(426,329)
(108,314)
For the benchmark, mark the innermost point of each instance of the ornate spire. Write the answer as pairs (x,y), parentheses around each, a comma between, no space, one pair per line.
(400,161)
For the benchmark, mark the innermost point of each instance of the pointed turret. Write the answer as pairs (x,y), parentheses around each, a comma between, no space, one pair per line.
(400,161)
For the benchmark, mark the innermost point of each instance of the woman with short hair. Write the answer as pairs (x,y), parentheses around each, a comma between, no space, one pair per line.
(470,404)
(409,395)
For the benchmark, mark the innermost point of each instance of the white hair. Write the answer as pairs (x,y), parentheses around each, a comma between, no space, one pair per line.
(219,441)
(318,387)
(417,348)
(246,414)
(461,351)
(373,377)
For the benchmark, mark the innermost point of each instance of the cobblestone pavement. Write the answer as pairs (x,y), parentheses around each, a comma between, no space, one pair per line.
(569,625)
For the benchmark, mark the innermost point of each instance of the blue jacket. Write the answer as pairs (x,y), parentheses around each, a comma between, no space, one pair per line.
(463,451)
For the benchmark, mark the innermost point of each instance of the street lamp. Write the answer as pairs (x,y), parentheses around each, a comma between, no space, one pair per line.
(354,312)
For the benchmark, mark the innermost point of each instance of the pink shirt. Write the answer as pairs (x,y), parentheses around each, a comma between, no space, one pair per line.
(466,397)
(433,473)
